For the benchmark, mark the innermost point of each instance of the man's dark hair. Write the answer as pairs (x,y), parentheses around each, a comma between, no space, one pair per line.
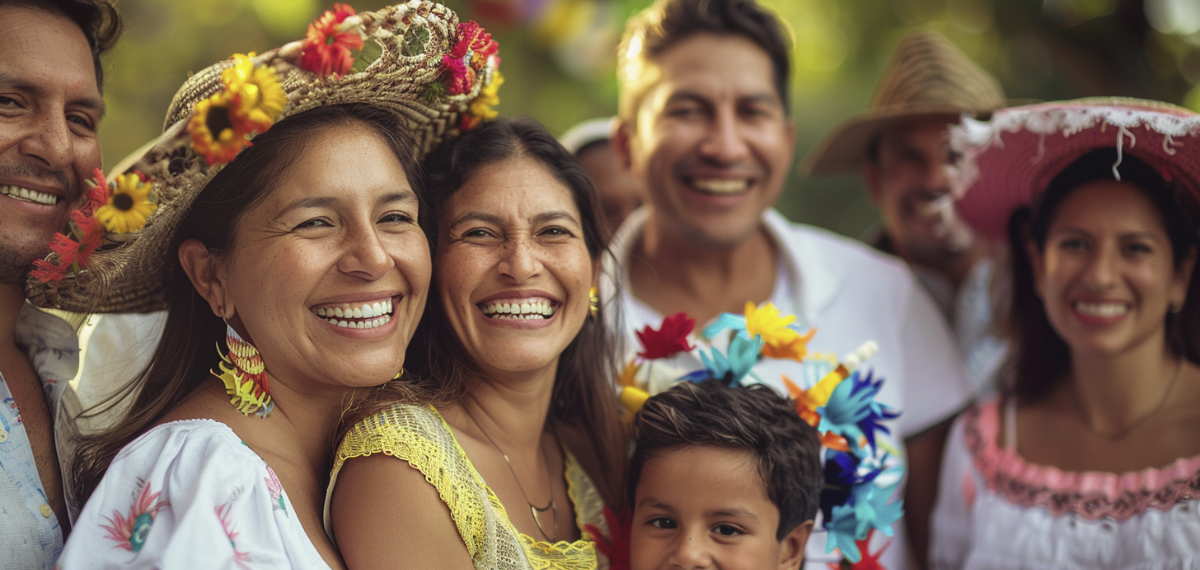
(668,22)
(98,19)
(754,419)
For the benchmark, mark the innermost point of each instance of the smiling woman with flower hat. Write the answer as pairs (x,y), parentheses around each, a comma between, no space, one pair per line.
(1092,458)
(299,256)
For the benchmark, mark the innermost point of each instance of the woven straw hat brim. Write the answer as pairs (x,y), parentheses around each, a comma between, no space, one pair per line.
(843,150)
(130,276)
(927,77)
(1010,159)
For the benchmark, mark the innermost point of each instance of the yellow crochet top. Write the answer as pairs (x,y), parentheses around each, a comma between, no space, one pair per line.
(419,435)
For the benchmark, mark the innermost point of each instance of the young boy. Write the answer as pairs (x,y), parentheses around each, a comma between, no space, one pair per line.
(724,478)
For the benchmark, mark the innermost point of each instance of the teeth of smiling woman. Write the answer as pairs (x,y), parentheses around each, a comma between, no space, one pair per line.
(719,185)
(364,311)
(524,309)
(29,195)
(363,324)
(1102,309)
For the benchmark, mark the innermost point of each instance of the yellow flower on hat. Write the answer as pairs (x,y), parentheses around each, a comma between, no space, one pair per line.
(128,206)
(481,108)
(256,91)
(215,135)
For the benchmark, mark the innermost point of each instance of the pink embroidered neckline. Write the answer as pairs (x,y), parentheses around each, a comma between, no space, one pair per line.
(1088,494)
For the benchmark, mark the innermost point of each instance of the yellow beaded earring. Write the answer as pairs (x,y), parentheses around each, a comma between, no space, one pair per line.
(594,301)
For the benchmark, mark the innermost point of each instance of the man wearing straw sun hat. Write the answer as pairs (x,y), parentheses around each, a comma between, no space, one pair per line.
(900,147)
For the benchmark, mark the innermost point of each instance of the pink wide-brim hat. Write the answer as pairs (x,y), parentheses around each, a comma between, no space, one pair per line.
(1010,159)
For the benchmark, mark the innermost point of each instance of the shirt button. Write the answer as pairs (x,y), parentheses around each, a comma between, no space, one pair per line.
(46,511)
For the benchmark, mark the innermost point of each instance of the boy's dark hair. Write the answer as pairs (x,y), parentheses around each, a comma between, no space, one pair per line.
(668,22)
(98,19)
(755,419)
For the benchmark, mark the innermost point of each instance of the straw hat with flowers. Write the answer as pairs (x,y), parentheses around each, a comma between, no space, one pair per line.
(437,75)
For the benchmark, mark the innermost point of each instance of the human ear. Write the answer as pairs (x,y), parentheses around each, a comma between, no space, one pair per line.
(791,552)
(207,274)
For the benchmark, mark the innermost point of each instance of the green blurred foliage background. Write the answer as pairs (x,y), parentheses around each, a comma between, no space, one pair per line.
(558,58)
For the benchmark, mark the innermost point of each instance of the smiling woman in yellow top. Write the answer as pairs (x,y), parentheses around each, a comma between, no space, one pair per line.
(524,444)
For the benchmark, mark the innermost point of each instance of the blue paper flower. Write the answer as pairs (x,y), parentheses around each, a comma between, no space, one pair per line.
(844,410)
(841,533)
(871,509)
(865,385)
(743,355)
(726,321)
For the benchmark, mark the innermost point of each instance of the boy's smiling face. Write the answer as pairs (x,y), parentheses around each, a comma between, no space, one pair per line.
(707,507)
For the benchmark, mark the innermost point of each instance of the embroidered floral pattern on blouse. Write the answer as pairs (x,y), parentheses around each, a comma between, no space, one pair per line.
(130,532)
(276,489)
(239,556)
(1088,495)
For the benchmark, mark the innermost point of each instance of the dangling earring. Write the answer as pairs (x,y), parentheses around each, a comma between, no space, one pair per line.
(594,301)
(244,375)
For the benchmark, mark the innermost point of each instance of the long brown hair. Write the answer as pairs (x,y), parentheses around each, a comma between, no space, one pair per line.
(583,407)
(185,353)
(1040,359)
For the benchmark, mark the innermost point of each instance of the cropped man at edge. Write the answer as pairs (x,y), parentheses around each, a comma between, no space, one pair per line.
(705,128)
(50,108)
(900,146)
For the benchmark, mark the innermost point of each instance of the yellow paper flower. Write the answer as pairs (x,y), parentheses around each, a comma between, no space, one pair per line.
(258,98)
(214,134)
(128,206)
(481,108)
(766,322)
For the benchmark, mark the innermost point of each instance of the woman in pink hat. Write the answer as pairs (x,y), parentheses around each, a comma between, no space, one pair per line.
(1091,458)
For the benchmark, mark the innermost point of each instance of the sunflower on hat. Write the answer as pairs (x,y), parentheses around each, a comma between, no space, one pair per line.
(222,125)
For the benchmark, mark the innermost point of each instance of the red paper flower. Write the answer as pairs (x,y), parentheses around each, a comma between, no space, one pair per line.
(869,561)
(83,227)
(469,56)
(617,549)
(669,339)
(461,75)
(67,250)
(327,47)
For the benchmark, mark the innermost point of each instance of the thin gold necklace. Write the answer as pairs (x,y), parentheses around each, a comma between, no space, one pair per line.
(533,509)
(1120,434)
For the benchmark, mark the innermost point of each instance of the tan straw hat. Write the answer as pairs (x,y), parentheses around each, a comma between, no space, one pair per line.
(437,75)
(927,78)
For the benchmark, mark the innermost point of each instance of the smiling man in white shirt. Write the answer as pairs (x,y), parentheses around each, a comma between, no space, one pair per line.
(705,127)
(50,108)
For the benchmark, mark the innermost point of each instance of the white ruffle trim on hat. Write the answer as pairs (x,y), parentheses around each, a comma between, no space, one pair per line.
(972,137)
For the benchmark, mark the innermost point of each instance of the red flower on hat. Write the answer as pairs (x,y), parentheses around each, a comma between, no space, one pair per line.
(470,55)
(327,47)
(669,339)
(86,235)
